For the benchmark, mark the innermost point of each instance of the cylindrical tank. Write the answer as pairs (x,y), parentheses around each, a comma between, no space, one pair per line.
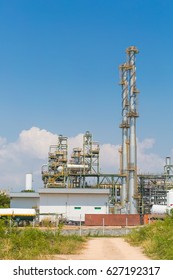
(77,166)
(17,212)
(60,169)
(28,184)
(158,209)
(168,161)
(169,210)
(170,198)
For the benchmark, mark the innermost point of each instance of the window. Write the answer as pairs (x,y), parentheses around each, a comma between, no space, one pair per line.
(77,208)
(97,208)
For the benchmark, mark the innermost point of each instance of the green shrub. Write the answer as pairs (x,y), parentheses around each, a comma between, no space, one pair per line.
(31,243)
(156,239)
(4,200)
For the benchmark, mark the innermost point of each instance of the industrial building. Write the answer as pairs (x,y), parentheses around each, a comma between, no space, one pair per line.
(24,200)
(67,203)
(67,188)
(73,204)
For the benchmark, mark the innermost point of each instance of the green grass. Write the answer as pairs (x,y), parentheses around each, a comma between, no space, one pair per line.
(35,244)
(156,239)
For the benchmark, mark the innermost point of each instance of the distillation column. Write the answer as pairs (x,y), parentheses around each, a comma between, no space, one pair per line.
(125,127)
(132,189)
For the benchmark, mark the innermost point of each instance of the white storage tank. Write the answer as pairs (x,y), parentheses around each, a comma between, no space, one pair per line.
(158,209)
(170,198)
(28,184)
(17,212)
(169,210)
(168,161)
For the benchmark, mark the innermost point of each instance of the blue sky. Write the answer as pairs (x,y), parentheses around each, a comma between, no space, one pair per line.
(59,70)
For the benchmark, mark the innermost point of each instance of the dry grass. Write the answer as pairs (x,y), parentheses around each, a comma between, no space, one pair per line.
(35,244)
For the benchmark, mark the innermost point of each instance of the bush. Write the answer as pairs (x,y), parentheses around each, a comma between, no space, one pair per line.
(4,200)
(32,244)
(156,239)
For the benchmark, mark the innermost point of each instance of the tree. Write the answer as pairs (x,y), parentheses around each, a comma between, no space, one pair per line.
(4,200)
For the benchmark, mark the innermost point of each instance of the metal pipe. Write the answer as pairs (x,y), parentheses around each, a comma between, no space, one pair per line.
(131,52)
(124,125)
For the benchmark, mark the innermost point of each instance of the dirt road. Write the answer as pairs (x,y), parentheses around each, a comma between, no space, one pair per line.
(106,249)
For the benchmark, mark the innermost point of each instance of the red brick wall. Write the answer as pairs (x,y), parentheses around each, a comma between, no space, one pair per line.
(112,219)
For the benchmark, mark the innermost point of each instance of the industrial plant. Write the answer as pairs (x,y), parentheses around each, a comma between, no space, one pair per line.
(67,188)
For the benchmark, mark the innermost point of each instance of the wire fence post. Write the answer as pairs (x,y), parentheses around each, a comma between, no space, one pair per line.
(126,224)
(80,231)
(103,226)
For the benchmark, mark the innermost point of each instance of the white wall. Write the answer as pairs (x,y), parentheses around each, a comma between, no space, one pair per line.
(24,202)
(73,206)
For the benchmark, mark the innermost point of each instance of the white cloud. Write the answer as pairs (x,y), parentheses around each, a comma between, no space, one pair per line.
(148,162)
(35,142)
(146,144)
(30,151)
(27,154)
(109,158)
